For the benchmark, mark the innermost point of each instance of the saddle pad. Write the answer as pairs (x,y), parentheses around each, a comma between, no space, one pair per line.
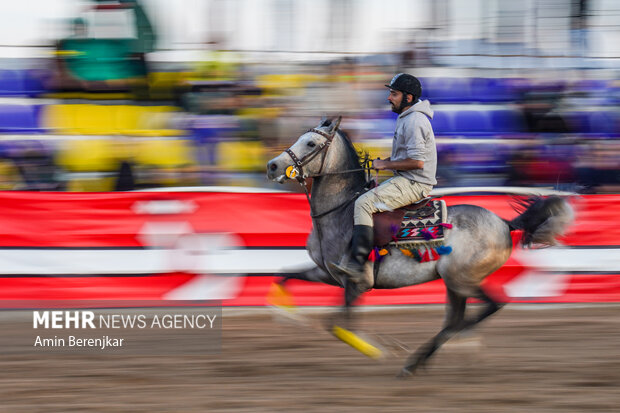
(422,226)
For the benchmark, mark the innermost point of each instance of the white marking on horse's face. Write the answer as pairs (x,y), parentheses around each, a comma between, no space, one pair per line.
(305,145)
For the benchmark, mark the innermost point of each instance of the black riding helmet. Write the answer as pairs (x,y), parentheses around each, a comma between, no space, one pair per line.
(406,83)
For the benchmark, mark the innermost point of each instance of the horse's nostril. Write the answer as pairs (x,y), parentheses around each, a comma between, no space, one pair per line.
(273,166)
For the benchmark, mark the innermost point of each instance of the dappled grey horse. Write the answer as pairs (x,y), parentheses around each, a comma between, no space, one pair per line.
(480,240)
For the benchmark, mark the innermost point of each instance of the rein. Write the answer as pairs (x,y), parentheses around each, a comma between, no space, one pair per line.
(297,173)
(329,211)
(301,177)
(303,183)
(346,171)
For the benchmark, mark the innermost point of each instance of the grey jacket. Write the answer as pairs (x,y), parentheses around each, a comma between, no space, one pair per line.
(414,139)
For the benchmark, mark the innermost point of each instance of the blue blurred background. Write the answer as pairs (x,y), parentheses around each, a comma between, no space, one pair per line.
(122,95)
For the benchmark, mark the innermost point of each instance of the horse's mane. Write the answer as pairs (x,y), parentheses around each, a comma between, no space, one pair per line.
(355,158)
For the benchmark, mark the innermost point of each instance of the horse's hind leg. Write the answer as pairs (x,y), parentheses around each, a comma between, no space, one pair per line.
(452,325)
(490,308)
(455,323)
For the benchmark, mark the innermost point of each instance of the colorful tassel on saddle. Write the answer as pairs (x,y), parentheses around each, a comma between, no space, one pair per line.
(407,253)
(429,254)
(427,234)
(445,225)
(394,230)
(376,255)
(434,256)
(415,254)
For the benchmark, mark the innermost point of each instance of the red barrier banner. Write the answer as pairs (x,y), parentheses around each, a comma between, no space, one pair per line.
(230,246)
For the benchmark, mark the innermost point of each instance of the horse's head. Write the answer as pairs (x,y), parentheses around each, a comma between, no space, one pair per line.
(307,156)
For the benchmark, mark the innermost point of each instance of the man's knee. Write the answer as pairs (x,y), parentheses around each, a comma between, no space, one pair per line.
(364,208)
(366,203)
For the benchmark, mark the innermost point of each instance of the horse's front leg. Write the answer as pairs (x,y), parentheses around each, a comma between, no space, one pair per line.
(279,295)
(343,330)
(314,274)
(352,292)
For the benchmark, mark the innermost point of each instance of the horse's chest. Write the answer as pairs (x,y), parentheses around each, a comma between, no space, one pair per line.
(325,247)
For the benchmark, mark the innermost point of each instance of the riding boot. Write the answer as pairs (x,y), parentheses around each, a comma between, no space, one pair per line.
(353,263)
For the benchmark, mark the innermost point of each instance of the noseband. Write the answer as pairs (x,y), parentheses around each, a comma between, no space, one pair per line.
(305,160)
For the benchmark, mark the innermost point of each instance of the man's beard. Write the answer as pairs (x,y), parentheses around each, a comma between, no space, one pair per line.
(404,104)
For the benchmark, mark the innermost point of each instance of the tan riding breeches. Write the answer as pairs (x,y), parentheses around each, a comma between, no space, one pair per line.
(392,194)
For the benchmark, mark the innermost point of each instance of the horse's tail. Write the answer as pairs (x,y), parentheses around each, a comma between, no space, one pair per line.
(542,219)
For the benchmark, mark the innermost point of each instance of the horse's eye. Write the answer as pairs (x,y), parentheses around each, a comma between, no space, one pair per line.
(311,144)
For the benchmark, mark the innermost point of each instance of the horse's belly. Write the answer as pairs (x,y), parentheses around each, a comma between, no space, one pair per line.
(405,271)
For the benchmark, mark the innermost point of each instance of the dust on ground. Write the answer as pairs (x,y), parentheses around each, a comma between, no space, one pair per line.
(530,359)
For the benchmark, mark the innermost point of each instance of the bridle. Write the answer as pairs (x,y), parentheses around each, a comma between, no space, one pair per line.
(298,172)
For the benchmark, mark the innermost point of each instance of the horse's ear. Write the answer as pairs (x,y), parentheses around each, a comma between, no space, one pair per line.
(334,125)
(324,122)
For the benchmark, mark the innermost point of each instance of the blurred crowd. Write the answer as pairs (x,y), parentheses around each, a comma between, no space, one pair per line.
(99,116)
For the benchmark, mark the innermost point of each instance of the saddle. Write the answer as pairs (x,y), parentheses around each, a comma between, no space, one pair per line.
(415,224)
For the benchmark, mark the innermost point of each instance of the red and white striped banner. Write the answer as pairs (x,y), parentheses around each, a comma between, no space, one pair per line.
(230,246)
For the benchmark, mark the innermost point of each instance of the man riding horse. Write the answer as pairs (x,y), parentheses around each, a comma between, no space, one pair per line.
(413,160)
(460,244)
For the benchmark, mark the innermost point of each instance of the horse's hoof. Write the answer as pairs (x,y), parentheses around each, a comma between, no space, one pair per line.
(464,342)
(404,374)
(279,297)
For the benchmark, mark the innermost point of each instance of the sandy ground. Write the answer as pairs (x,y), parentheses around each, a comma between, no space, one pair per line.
(531,359)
